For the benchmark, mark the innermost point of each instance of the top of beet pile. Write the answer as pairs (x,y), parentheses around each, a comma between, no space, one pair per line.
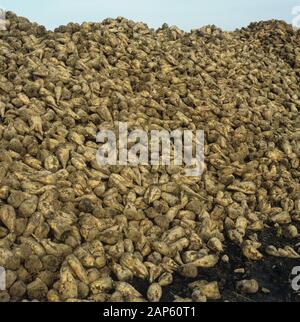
(71,229)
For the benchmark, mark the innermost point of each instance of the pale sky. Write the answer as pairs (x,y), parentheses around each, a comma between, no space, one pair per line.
(186,14)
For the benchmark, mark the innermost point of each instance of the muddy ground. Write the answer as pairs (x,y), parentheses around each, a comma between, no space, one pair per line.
(273,274)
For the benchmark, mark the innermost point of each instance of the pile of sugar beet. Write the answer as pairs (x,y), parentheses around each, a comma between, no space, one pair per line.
(72,230)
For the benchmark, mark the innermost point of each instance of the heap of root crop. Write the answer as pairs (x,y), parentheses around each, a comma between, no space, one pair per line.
(72,230)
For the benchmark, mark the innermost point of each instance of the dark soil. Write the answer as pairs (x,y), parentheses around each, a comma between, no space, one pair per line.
(272,273)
